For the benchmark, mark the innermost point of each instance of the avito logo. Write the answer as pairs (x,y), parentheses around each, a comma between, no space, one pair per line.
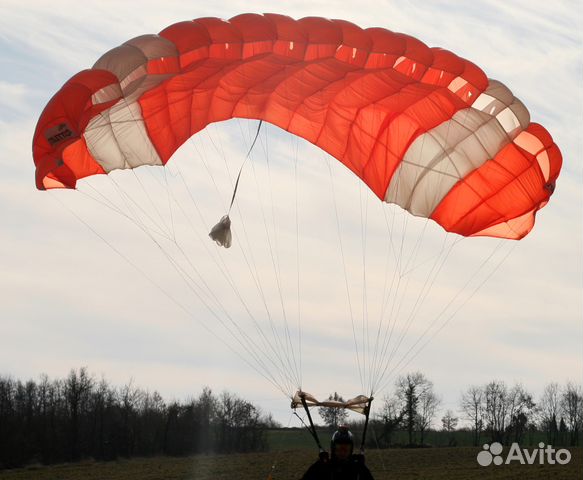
(545,454)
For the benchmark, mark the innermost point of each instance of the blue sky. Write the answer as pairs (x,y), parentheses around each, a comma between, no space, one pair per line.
(67,300)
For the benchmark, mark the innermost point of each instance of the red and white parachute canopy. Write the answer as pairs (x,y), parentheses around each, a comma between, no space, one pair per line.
(422,127)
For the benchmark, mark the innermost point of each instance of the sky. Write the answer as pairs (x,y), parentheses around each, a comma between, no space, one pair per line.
(80,285)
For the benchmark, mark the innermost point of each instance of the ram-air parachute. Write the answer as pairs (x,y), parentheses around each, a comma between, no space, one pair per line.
(421,127)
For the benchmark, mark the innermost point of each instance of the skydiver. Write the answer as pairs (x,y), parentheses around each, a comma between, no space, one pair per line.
(343,464)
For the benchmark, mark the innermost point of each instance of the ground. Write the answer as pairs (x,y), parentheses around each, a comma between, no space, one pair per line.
(402,464)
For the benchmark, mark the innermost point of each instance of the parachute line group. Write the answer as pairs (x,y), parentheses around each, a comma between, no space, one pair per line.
(273,348)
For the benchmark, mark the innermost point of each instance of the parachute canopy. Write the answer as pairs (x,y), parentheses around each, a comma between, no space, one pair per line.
(422,127)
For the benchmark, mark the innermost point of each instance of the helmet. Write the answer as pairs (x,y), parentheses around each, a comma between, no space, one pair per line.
(342,436)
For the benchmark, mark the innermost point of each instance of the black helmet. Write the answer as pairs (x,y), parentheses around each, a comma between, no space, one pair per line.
(342,436)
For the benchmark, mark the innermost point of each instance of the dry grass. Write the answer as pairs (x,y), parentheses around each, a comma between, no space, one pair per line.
(435,463)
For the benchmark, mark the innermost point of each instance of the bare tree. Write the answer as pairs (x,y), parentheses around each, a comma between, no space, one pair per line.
(496,411)
(333,416)
(130,398)
(428,404)
(391,416)
(239,423)
(449,421)
(508,411)
(549,412)
(572,409)
(77,386)
(473,406)
(208,409)
(520,409)
(415,394)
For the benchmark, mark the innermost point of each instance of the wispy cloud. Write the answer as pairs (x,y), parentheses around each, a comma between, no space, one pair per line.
(68,300)
(13,98)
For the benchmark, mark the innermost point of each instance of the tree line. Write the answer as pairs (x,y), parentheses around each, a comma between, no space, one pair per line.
(493,412)
(509,414)
(79,417)
(53,421)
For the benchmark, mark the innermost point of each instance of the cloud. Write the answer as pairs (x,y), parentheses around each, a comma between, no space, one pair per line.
(69,300)
(13,98)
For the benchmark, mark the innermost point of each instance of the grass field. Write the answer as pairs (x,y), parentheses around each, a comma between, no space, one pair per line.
(398,464)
